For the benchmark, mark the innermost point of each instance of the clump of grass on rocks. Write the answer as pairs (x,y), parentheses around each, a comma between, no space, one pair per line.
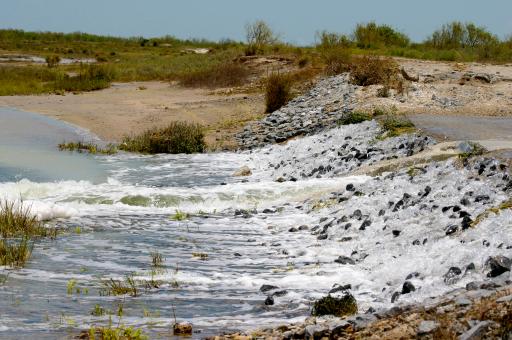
(277,91)
(354,117)
(177,137)
(329,305)
(396,125)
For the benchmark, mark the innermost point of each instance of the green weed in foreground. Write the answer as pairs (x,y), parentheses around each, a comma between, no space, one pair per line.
(15,253)
(113,333)
(16,220)
(91,148)
(177,137)
(157,259)
(179,216)
(354,117)
(118,287)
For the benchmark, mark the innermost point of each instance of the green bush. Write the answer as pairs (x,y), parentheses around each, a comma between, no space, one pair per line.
(277,91)
(177,137)
(371,35)
(354,117)
(340,307)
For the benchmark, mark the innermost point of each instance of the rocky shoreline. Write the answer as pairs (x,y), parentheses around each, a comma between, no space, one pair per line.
(441,230)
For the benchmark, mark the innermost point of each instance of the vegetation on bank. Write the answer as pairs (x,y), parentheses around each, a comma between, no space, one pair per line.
(177,137)
(171,59)
(19,228)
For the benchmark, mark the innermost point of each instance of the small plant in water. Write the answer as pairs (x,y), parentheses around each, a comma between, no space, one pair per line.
(118,287)
(15,253)
(179,216)
(201,256)
(157,259)
(98,311)
(91,148)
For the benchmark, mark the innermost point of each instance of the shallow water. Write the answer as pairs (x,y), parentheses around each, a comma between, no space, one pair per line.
(123,208)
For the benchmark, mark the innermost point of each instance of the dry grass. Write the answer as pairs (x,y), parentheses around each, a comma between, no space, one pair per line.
(373,70)
(277,91)
(337,60)
(224,75)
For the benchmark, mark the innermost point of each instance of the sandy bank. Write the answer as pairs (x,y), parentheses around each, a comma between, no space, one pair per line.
(129,108)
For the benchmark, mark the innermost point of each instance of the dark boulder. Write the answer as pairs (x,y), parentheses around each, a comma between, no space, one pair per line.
(344,260)
(408,287)
(498,265)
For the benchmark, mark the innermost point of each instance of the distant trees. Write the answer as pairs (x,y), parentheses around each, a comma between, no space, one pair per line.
(371,35)
(258,35)
(456,35)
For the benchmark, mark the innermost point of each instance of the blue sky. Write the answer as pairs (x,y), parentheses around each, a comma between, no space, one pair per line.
(295,20)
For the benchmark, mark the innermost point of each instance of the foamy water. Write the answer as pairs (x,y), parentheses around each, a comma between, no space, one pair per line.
(113,224)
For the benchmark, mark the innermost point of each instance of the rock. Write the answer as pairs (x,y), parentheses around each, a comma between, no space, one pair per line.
(269,301)
(266,288)
(293,230)
(337,306)
(476,332)
(408,287)
(344,260)
(504,299)
(350,187)
(463,302)
(427,327)
(472,286)
(243,172)
(315,332)
(396,233)
(340,288)
(451,229)
(452,276)
(498,265)
(183,328)
(395,297)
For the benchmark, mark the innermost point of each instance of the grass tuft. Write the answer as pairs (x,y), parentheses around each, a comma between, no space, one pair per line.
(277,91)
(177,137)
(15,253)
(118,287)
(396,125)
(18,221)
(91,148)
(354,117)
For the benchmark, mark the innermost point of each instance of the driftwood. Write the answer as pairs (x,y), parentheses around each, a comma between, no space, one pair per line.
(409,77)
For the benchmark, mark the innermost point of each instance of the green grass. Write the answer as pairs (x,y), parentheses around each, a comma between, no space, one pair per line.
(177,137)
(17,221)
(15,253)
(113,333)
(91,148)
(117,287)
(396,125)
(354,117)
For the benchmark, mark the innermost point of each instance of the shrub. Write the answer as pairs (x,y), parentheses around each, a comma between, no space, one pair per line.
(52,61)
(90,78)
(177,137)
(458,35)
(371,35)
(337,60)
(259,35)
(277,91)
(372,70)
(340,307)
(225,75)
(354,117)
(331,40)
